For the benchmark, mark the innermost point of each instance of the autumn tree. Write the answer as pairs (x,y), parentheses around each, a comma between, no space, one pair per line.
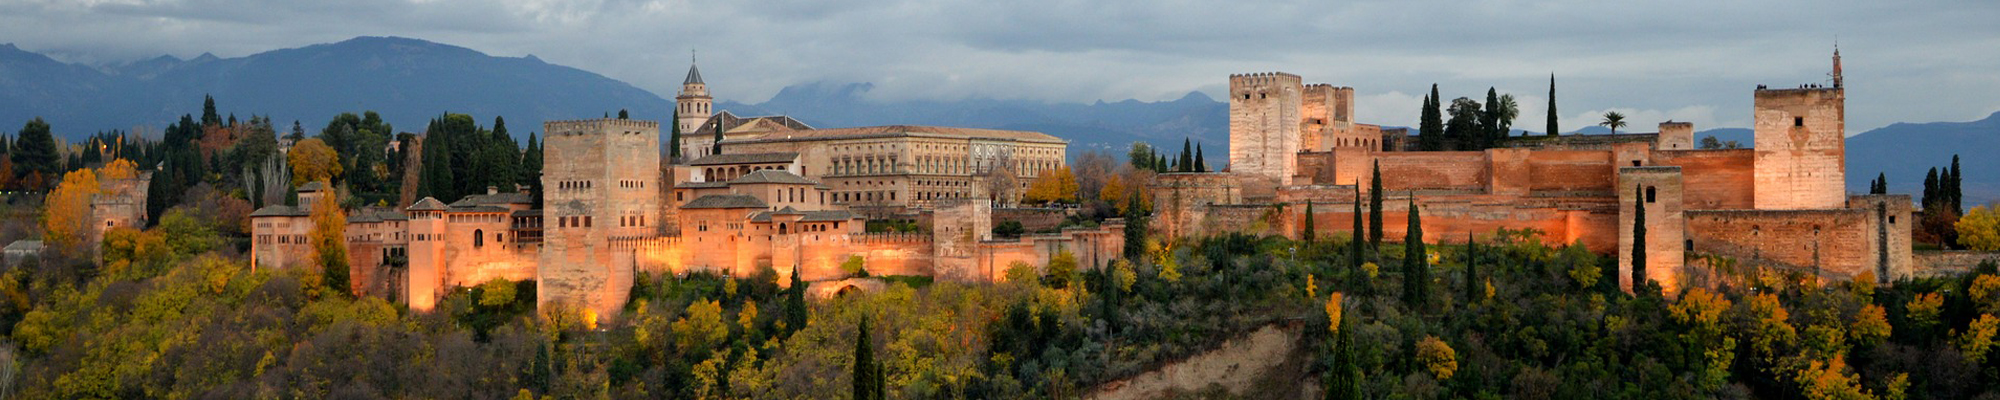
(1979,229)
(329,243)
(1053,186)
(1437,357)
(66,220)
(312,160)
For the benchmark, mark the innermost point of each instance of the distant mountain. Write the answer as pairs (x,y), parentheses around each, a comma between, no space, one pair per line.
(408,81)
(1905,152)
(1110,126)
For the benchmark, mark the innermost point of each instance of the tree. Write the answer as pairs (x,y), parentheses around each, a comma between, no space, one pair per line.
(1199,164)
(1135,227)
(312,160)
(1375,207)
(1474,290)
(1638,237)
(866,386)
(66,221)
(1061,269)
(1437,357)
(1489,119)
(1416,263)
(1430,129)
(716,148)
(796,313)
(1054,186)
(673,139)
(1464,131)
(531,167)
(1344,379)
(1954,190)
(208,114)
(1307,232)
(1553,130)
(1979,229)
(1613,120)
(623,115)
(1141,155)
(329,242)
(1187,155)
(35,151)
(1509,110)
(1354,243)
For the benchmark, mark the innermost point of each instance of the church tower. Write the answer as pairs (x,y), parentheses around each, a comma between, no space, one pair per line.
(693,102)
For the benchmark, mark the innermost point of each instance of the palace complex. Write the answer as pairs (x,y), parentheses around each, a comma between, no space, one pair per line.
(774,193)
(1781,204)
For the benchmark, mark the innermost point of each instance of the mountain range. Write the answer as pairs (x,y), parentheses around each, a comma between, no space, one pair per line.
(410,81)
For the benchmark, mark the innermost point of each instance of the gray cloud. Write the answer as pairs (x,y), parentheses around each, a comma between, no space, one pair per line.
(1686,60)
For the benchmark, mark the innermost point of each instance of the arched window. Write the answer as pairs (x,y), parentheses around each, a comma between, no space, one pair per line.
(478,238)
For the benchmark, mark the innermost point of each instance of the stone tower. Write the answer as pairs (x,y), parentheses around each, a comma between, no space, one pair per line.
(1801,147)
(1264,124)
(693,103)
(1675,136)
(602,194)
(1660,189)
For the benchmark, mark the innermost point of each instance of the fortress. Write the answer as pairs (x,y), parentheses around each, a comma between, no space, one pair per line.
(775,193)
(1781,204)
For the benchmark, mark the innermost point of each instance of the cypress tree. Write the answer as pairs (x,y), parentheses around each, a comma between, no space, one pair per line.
(1431,129)
(1135,227)
(1955,192)
(796,313)
(1416,265)
(1354,242)
(1344,380)
(1187,155)
(1472,286)
(1638,238)
(863,374)
(1930,188)
(208,115)
(1375,208)
(1200,165)
(717,148)
(674,139)
(1552,106)
(1489,120)
(1308,233)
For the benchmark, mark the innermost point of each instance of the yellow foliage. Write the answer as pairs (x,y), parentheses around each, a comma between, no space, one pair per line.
(1312,288)
(1979,229)
(118,169)
(1830,380)
(1371,269)
(329,239)
(701,326)
(1898,387)
(1437,357)
(1863,285)
(1871,325)
(312,160)
(1978,337)
(1056,185)
(67,217)
(1925,309)
(1122,271)
(1699,307)
(1769,325)
(747,317)
(131,253)
(496,292)
(1985,292)
(1021,272)
(1333,312)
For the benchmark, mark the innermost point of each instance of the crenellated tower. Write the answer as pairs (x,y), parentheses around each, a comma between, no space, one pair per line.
(1264,124)
(1801,136)
(601,195)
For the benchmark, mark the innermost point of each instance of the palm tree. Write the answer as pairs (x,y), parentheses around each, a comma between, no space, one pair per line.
(1508,110)
(1613,120)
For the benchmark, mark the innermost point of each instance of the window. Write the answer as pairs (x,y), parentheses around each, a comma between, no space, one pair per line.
(478,238)
(1798,121)
(1649,194)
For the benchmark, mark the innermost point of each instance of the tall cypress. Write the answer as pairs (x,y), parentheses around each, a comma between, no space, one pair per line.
(1638,238)
(1430,131)
(1354,242)
(1200,165)
(796,313)
(863,374)
(1472,286)
(1416,264)
(1187,155)
(1954,191)
(1308,232)
(674,139)
(1489,120)
(1375,208)
(1930,188)
(1344,380)
(1552,106)
(717,148)
(1135,227)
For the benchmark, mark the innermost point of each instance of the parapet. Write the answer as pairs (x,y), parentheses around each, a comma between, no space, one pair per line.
(1264,78)
(599,125)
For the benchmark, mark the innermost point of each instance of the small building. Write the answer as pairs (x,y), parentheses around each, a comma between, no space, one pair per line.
(20,250)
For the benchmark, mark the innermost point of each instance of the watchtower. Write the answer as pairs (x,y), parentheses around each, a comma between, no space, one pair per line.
(1801,136)
(1264,124)
(601,180)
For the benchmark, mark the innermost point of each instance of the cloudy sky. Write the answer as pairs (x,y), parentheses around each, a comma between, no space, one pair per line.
(1687,60)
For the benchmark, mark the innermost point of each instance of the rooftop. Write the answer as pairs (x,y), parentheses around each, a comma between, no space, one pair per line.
(902,131)
(746,158)
(428,204)
(725,201)
(773,176)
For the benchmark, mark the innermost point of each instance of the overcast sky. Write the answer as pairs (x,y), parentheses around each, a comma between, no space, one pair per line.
(1687,60)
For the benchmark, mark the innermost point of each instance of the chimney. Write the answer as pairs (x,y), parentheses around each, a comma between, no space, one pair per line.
(492,189)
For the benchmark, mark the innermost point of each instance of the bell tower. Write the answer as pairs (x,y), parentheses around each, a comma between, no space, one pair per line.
(693,102)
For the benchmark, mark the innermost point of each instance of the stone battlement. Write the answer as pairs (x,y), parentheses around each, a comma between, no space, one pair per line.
(588,126)
(890,238)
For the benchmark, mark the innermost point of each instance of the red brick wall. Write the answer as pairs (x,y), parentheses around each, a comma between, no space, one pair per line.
(1714,179)
(1786,238)
(1433,170)
(1570,170)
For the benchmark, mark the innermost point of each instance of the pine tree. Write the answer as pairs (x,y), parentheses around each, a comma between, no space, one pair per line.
(863,374)
(1199,164)
(1553,131)
(1308,233)
(1375,208)
(1416,264)
(35,151)
(1638,238)
(208,115)
(1187,156)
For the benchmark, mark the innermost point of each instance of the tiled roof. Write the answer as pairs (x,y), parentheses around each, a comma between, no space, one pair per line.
(773,176)
(470,209)
(313,186)
(702,185)
(279,210)
(725,201)
(747,158)
(810,216)
(428,204)
(496,198)
(528,213)
(24,246)
(731,121)
(903,130)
